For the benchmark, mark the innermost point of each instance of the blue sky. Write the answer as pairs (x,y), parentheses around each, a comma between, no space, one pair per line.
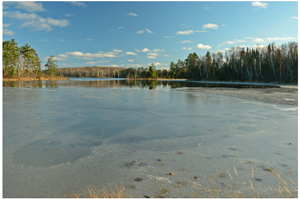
(122,33)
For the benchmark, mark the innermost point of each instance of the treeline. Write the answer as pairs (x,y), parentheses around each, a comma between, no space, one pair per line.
(24,61)
(19,61)
(268,64)
(142,72)
(95,71)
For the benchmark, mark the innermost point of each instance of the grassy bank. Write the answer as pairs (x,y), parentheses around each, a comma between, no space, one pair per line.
(284,189)
(33,79)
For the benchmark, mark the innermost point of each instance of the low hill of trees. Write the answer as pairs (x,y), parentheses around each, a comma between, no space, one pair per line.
(95,71)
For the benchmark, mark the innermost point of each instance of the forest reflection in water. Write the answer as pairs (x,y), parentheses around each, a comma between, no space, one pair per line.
(141,84)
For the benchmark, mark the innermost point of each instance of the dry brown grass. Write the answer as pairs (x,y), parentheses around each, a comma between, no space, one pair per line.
(104,192)
(284,190)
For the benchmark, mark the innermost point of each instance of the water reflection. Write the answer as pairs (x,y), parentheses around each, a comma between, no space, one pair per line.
(133,84)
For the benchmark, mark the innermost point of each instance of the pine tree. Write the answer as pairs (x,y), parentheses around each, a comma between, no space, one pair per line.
(52,67)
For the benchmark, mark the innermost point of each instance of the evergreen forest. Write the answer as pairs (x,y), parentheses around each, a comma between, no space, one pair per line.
(24,62)
(262,64)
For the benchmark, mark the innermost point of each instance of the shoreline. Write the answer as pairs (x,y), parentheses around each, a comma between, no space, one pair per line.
(155,79)
(219,82)
(21,79)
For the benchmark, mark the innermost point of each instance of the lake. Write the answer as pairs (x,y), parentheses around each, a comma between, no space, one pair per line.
(65,135)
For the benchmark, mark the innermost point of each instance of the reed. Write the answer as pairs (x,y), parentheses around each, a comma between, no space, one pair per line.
(284,190)
(105,192)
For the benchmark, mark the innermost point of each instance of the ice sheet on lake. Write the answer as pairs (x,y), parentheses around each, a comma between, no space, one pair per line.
(59,141)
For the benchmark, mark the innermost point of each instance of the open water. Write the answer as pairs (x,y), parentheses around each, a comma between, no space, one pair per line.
(62,136)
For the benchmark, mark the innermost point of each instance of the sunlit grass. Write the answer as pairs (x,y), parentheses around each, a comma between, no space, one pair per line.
(104,192)
(283,189)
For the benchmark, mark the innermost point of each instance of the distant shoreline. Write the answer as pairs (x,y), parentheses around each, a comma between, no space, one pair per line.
(33,79)
(156,79)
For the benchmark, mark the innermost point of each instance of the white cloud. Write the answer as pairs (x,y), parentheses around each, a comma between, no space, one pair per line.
(228,42)
(114,65)
(132,65)
(201,46)
(153,54)
(240,41)
(159,50)
(29,6)
(140,32)
(88,39)
(169,37)
(294,17)
(120,27)
(145,50)
(258,40)
(69,15)
(130,53)
(100,61)
(223,25)
(81,55)
(221,51)
(280,38)
(186,32)
(55,58)
(8,32)
(117,50)
(249,37)
(259,4)
(63,55)
(6,25)
(186,41)
(234,49)
(201,31)
(35,21)
(20,16)
(137,50)
(90,62)
(210,26)
(167,55)
(60,58)
(78,3)
(149,31)
(243,46)
(78,57)
(157,64)
(259,46)
(133,14)
(188,48)
(207,8)
(151,57)
(61,40)
(130,60)
(64,64)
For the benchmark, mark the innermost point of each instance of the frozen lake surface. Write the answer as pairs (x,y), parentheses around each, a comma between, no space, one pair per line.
(66,135)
